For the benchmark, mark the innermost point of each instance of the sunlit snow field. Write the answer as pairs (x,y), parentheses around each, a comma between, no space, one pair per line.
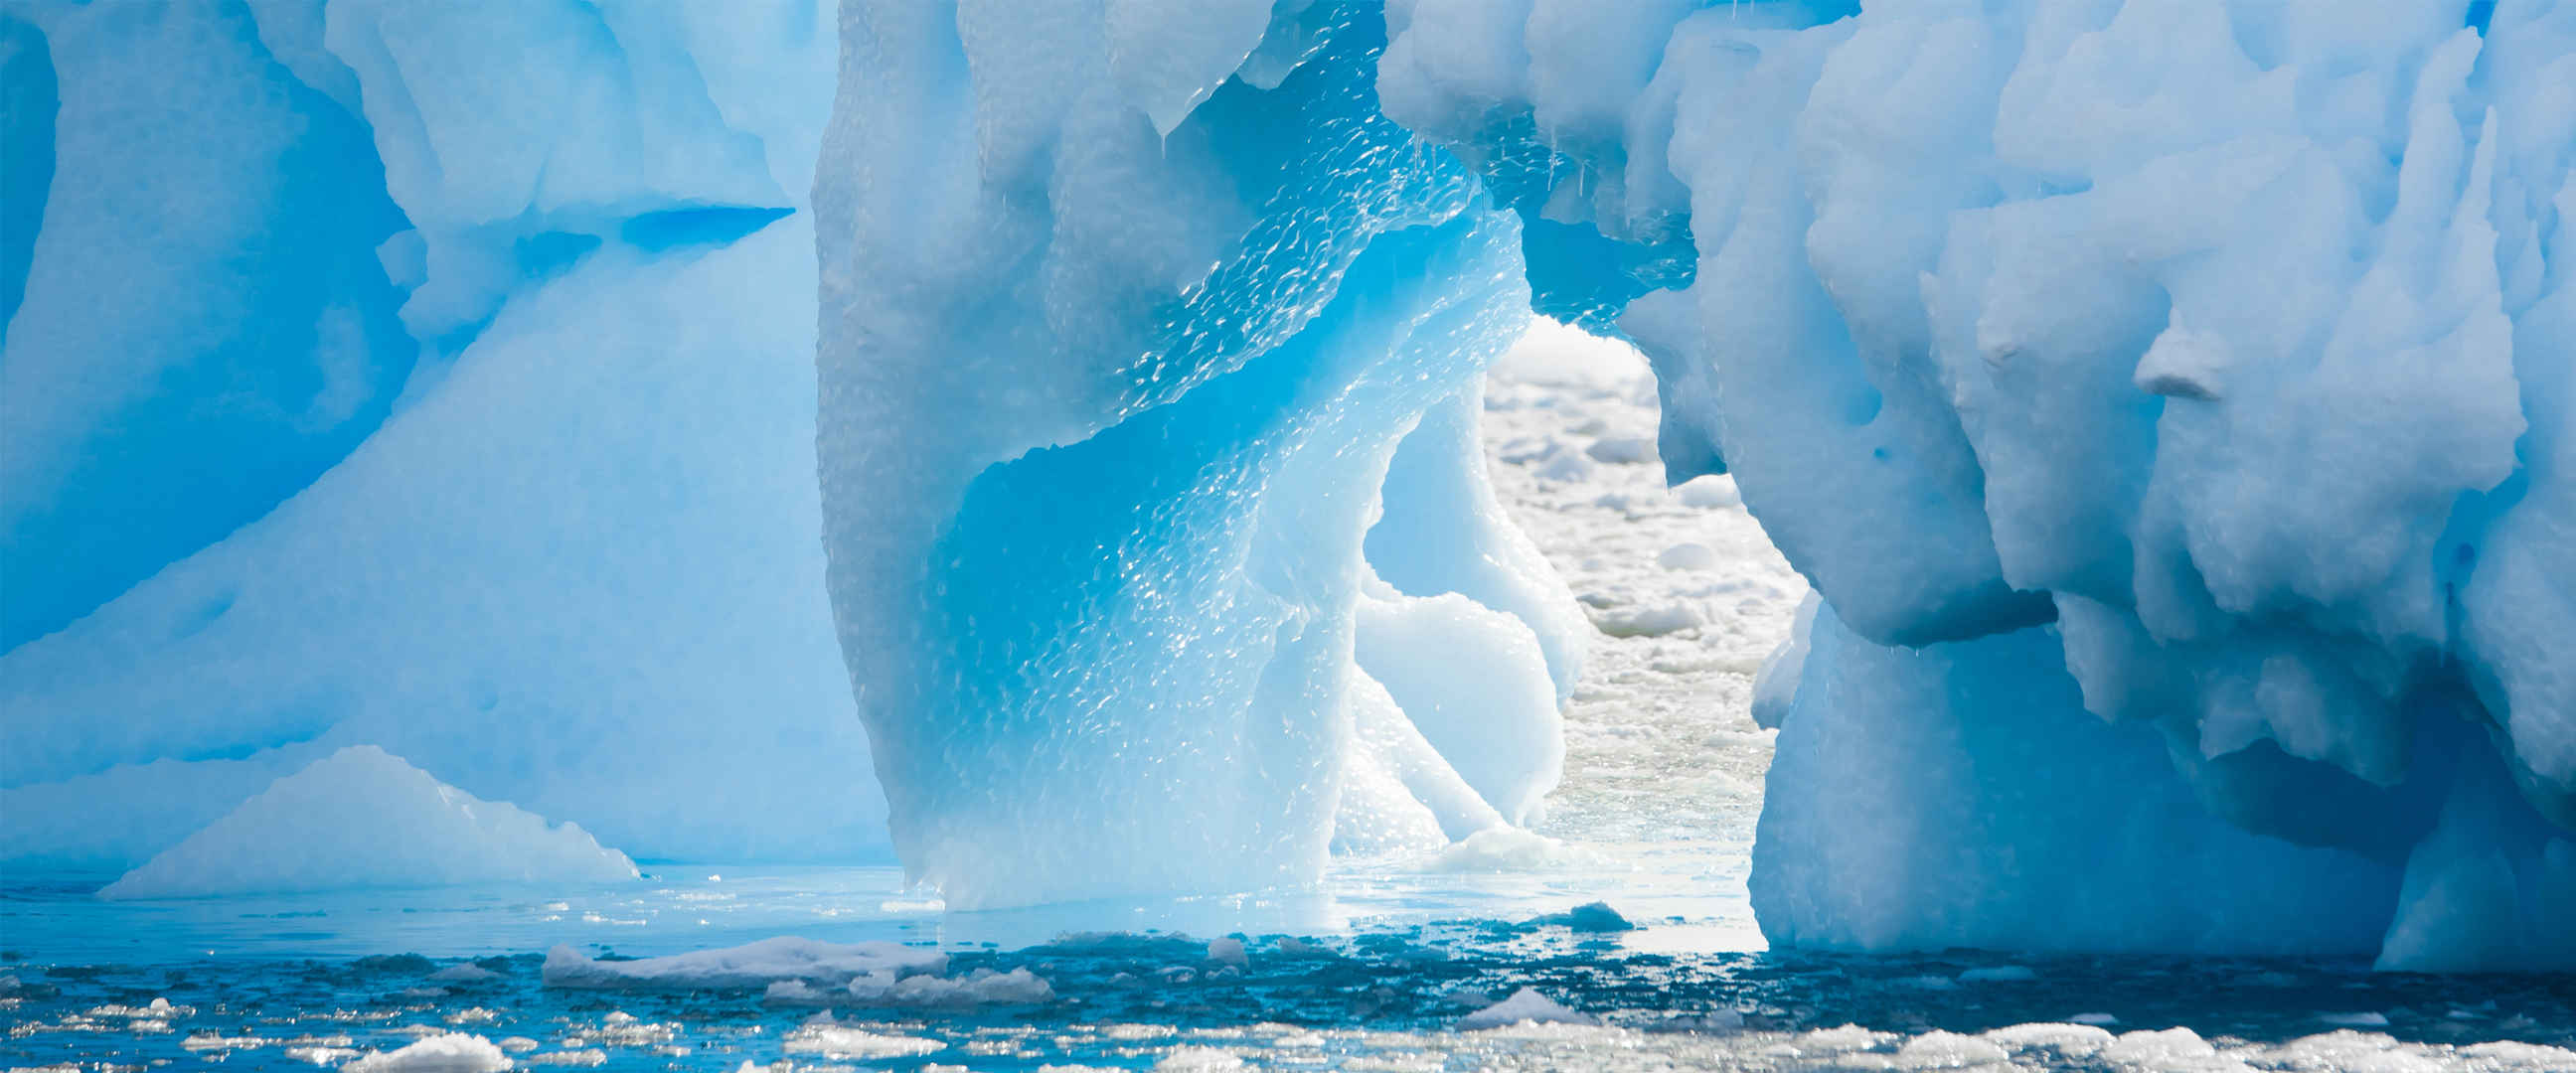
(1386,966)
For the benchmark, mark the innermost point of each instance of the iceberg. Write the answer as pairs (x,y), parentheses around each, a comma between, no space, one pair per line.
(755,965)
(2195,369)
(1040,441)
(556,540)
(1113,394)
(2147,388)
(298,836)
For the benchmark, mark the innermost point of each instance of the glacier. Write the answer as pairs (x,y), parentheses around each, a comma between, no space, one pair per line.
(1039,440)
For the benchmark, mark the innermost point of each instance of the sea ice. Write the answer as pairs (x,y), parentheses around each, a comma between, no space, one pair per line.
(450,1052)
(753,965)
(1526,1006)
(361,817)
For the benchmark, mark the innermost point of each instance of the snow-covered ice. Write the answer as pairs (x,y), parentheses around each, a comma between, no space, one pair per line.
(450,1052)
(1525,1006)
(2199,370)
(361,817)
(753,965)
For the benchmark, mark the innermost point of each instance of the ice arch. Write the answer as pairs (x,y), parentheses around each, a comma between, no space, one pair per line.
(2166,398)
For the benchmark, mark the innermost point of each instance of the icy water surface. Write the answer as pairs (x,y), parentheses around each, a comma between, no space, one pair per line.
(1376,981)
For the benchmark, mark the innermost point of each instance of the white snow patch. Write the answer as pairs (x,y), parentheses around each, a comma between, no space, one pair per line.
(836,1041)
(362,817)
(748,966)
(452,1052)
(1526,1006)
(1504,849)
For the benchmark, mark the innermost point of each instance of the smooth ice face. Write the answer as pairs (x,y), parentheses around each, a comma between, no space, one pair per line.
(2231,338)
(361,817)
(1959,796)
(549,525)
(1111,391)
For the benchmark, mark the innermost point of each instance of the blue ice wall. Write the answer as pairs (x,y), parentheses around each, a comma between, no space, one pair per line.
(197,323)
(1098,596)
(425,376)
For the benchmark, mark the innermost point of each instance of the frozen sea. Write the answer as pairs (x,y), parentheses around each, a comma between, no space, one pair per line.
(1384,967)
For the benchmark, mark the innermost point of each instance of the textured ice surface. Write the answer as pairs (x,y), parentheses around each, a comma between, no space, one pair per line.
(1110,391)
(447,1052)
(361,817)
(1526,1006)
(439,377)
(760,964)
(2231,339)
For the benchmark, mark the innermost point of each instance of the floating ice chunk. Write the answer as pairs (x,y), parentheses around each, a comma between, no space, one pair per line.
(1526,1006)
(1948,1050)
(451,1052)
(1843,1040)
(1199,1060)
(1588,917)
(361,817)
(1653,621)
(742,967)
(836,1041)
(1687,556)
(2172,1046)
(1621,450)
(466,972)
(1565,465)
(1227,952)
(982,987)
(1504,849)
(2512,1056)
(2066,1040)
